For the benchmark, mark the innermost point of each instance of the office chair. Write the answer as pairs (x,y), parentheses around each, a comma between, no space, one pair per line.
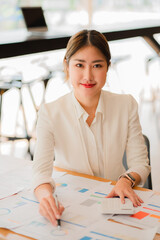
(148,183)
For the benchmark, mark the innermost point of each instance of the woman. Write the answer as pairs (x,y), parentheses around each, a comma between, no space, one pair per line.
(88,130)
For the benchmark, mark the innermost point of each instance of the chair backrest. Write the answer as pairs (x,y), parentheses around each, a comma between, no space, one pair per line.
(148,183)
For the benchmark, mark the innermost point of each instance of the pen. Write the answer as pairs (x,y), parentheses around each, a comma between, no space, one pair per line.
(58,220)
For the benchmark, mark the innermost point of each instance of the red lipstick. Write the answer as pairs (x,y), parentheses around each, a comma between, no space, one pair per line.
(88,85)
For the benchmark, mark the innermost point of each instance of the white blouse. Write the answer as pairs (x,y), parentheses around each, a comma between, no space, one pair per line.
(93,136)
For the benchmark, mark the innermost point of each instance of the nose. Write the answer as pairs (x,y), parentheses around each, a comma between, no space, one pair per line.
(88,74)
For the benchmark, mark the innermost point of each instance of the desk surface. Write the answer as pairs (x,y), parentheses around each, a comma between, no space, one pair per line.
(19,42)
(7,234)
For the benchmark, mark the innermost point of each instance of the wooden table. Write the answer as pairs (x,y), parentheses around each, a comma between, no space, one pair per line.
(6,234)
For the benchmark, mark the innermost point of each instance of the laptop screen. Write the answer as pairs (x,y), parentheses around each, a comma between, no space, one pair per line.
(34,18)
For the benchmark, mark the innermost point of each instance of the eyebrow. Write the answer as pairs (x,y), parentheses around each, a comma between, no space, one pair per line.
(95,61)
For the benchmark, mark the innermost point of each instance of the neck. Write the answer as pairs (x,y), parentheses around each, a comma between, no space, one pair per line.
(89,104)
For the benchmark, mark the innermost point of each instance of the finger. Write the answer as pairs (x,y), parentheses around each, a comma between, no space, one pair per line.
(61,208)
(53,206)
(49,210)
(140,199)
(122,198)
(44,213)
(111,194)
(54,222)
(135,199)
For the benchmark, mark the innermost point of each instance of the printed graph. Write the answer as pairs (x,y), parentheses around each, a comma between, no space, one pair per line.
(149,212)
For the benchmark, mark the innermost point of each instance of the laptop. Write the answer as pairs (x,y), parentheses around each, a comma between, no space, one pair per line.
(34,20)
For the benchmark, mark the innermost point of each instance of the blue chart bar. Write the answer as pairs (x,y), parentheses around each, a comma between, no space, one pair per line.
(108,236)
(154,205)
(31,200)
(104,194)
(86,238)
(76,224)
(83,190)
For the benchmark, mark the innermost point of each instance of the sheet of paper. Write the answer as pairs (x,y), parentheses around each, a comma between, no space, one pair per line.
(101,230)
(15,175)
(144,195)
(74,188)
(41,229)
(16,210)
(77,199)
(82,218)
(15,180)
(109,230)
(82,185)
(147,215)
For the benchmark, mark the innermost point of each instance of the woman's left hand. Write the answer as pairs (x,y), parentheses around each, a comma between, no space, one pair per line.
(123,189)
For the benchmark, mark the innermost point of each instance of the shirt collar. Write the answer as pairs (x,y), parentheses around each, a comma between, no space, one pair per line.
(80,110)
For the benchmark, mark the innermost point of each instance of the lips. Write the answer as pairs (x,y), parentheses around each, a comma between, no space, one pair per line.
(88,85)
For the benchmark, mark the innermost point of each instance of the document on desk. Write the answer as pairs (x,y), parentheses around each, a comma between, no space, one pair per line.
(15,181)
(16,175)
(81,220)
(18,209)
(79,223)
(110,230)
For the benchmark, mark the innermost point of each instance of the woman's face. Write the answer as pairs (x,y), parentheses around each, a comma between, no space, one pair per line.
(87,72)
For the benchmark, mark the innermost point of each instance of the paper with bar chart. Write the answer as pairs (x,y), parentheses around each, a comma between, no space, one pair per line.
(81,220)
(147,215)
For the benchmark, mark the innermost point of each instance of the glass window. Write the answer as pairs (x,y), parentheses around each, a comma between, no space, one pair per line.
(79,13)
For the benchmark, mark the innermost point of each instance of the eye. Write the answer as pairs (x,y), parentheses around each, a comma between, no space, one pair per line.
(97,66)
(79,65)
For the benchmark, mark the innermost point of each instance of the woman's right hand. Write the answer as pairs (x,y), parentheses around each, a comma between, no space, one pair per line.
(47,206)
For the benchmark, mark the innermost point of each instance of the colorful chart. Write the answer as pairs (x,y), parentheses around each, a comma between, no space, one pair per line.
(61,184)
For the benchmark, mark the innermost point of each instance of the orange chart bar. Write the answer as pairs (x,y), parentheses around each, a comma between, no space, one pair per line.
(155,216)
(140,215)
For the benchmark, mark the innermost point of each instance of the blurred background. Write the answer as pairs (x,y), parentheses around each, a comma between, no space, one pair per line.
(135,68)
(72,13)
